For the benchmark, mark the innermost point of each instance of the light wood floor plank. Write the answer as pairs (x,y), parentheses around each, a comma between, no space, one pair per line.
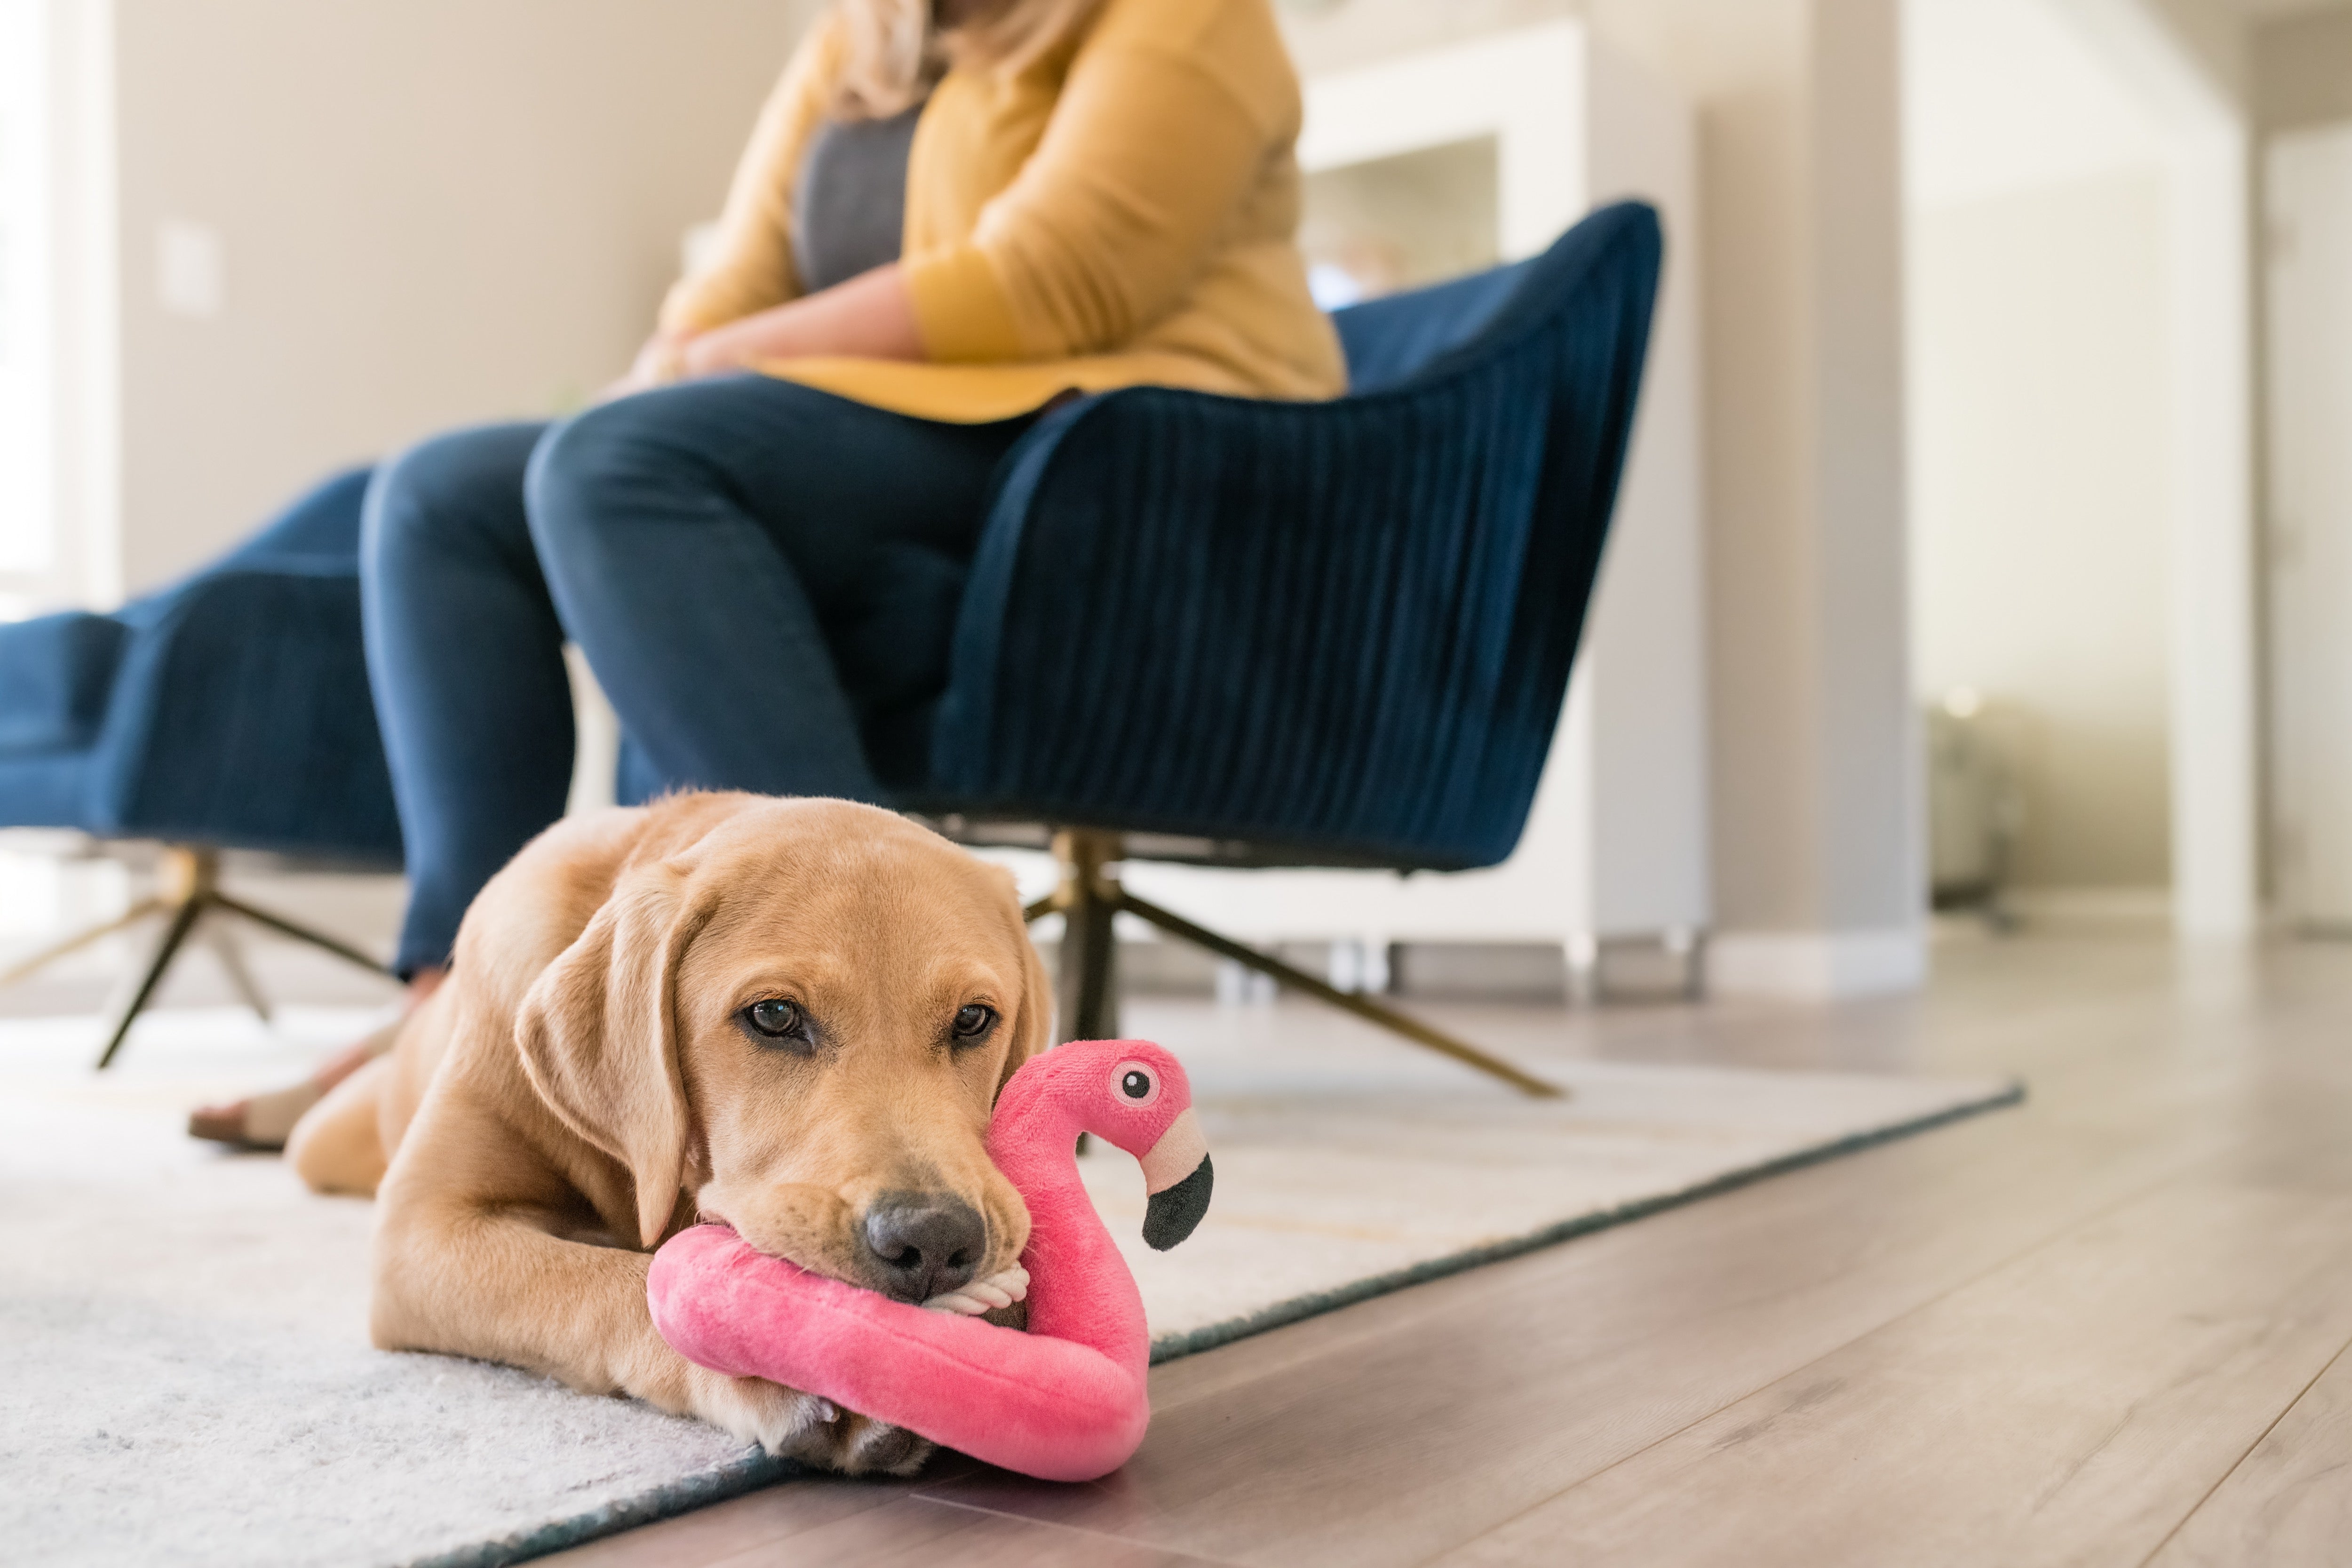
(903,1530)
(2068,1306)
(974,1537)
(2288,1504)
(759,1520)
(1389,1433)
(2071,1408)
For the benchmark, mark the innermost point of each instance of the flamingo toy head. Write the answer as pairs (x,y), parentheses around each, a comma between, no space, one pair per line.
(1129,1093)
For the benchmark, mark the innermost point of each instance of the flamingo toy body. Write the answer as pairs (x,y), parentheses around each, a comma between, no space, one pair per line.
(1067,1400)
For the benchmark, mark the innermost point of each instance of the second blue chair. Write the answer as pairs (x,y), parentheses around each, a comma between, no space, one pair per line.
(227,711)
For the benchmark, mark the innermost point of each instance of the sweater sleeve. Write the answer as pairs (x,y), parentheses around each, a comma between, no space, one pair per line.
(1157,138)
(751,267)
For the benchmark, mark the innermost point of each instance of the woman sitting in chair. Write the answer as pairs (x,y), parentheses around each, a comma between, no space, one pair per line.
(951,213)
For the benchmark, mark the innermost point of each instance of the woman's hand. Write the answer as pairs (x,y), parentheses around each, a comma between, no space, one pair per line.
(661,362)
(872,316)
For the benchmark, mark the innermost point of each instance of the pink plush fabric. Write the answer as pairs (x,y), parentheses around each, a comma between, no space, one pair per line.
(1065,1401)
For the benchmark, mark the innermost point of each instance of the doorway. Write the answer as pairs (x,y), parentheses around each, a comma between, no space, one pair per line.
(2036,199)
(2308,181)
(2061,110)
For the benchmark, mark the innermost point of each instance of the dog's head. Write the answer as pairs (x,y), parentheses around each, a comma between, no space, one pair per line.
(801,1015)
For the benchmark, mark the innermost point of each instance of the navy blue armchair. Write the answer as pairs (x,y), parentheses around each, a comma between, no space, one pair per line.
(1212,629)
(229,710)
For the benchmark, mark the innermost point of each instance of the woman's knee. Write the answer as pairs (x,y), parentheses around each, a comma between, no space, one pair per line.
(590,470)
(447,495)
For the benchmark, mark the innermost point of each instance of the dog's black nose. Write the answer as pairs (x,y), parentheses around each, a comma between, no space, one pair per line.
(924,1244)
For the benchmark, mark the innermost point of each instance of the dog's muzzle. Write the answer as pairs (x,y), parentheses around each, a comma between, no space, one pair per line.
(1178,1175)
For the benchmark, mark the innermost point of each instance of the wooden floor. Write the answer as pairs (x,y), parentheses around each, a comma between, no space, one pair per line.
(2109,1327)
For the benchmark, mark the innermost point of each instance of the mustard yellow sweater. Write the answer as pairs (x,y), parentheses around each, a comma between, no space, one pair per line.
(1121,212)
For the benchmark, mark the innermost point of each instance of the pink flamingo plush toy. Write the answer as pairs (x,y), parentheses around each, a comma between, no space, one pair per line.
(1065,1401)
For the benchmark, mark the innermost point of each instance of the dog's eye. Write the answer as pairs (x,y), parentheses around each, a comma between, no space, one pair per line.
(777,1019)
(974,1021)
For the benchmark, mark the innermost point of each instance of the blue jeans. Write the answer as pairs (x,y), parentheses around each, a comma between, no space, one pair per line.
(764,578)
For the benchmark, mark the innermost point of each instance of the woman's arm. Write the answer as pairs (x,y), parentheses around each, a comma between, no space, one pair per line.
(1165,123)
(1162,127)
(872,316)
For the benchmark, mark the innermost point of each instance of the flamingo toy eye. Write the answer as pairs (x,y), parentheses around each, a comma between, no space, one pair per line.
(1135,1083)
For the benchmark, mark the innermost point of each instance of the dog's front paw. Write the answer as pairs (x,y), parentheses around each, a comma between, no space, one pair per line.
(758,1411)
(856,1445)
(796,1425)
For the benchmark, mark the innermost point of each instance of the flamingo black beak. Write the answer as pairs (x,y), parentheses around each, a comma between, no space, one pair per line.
(1178,1177)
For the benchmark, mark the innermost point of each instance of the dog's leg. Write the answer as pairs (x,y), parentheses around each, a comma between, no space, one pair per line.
(336,1147)
(492,1281)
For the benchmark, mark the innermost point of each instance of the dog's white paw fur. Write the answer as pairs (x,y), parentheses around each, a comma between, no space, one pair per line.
(796,1425)
(755,1410)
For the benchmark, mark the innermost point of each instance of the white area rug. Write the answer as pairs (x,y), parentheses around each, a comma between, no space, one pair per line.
(184,1371)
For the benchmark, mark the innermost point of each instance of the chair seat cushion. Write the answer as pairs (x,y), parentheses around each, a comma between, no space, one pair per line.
(51,790)
(55,673)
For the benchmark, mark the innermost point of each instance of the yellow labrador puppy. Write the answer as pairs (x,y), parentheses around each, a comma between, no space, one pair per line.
(791,1015)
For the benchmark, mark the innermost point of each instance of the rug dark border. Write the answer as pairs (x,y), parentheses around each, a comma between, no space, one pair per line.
(755,1469)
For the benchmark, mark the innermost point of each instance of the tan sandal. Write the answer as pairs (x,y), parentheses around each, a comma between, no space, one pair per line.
(262,1123)
(265,1122)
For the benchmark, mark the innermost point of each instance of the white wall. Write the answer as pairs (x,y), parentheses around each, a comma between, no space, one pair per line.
(429,211)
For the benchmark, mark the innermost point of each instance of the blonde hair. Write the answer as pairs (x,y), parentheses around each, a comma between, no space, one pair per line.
(898,49)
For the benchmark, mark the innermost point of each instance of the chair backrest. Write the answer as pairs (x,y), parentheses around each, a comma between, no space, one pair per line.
(1338,633)
(1401,339)
(317,535)
(1538,365)
(1390,340)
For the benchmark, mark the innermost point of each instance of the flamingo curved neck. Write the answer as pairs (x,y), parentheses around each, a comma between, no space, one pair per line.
(1083,1291)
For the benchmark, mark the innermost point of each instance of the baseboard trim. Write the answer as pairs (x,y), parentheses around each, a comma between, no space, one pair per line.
(1817,965)
(2141,909)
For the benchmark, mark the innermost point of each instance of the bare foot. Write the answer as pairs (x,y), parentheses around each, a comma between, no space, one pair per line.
(264,1121)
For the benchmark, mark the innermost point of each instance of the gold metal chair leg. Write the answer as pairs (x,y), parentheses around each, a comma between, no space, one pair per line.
(175,934)
(299,933)
(27,968)
(222,942)
(1091,895)
(187,891)
(1363,1007)
(1088,900)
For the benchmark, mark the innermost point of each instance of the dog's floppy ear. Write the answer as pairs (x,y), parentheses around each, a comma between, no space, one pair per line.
(598,1033)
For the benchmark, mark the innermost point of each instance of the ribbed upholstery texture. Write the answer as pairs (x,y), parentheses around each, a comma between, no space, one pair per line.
(230,709)
(1338,632)
(56,673)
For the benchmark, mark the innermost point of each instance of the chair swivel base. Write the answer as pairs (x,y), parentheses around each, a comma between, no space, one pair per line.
(188,890)
(1091,895)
